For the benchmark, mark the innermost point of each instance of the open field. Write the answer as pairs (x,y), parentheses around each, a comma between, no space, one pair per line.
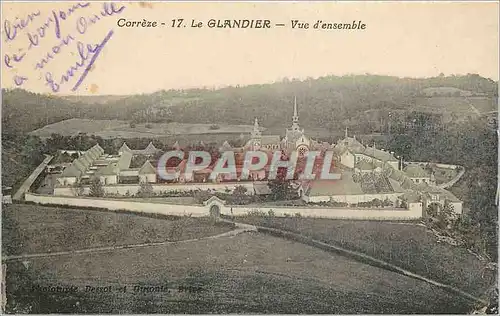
(36,229)
(122,129)
(409,246)
(458,105)
(248,273)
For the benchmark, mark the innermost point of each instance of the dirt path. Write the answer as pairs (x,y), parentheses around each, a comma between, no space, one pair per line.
(454,180)
(32,177)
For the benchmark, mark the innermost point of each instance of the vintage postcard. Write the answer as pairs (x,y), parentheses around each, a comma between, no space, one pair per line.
(249,157)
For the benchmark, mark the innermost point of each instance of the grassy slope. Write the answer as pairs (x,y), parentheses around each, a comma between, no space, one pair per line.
(408,246)
(249,273)
(117,128)
(37,229)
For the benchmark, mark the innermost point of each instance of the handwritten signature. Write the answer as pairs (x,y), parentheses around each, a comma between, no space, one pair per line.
(87,53)
(84,52)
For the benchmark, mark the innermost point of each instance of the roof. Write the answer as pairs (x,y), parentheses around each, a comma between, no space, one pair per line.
(225,146)
(412,197)
(71,171)
(99,149)
(79,165)
(352,141)
(124,147)
(424,187)
(343,186)
(398,175)
(415,171)
(349,143)
(449,196)
(214,199)
(407,184)
(85,162)
(109,170)
(125,159)
(270,139)
(379,154)
(364,165)
(150,149)
(261,189)
(93,153)
(396,187)
(374,183)
(147,168)
(87,158)
(431,189)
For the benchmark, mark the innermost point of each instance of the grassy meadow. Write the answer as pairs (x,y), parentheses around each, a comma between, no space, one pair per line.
(406,245)
(248,273)
(37,229)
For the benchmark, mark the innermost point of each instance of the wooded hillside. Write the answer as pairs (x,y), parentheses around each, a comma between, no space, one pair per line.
(324,102)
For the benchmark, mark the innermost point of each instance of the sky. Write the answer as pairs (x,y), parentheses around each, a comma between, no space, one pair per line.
(406,39)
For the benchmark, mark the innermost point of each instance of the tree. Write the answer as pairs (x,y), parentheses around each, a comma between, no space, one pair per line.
(77,188)
(96,188)
(280,187)
(433,209)
(240,195)
(446,215)
(145,190)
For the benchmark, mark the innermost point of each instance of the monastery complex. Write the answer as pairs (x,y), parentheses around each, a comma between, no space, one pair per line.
(363,173)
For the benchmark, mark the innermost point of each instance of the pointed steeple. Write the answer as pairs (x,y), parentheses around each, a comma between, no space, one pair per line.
(295,113)
(295,118)
(345,132)
(256,133)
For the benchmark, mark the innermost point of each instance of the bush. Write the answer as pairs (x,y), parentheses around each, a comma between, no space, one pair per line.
(239,196)
(145,190)
(96,188)
(256,213)
(214,127)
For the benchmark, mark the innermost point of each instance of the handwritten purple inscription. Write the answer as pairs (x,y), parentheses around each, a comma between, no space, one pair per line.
(87,54)
(85,51)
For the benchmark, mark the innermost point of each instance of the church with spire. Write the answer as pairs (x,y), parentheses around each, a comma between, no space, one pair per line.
(294,140)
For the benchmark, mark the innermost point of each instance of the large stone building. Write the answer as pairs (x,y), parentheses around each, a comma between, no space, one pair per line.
(351,152)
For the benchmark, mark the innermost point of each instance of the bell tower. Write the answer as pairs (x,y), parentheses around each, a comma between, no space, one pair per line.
(256,136)
(295,118)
